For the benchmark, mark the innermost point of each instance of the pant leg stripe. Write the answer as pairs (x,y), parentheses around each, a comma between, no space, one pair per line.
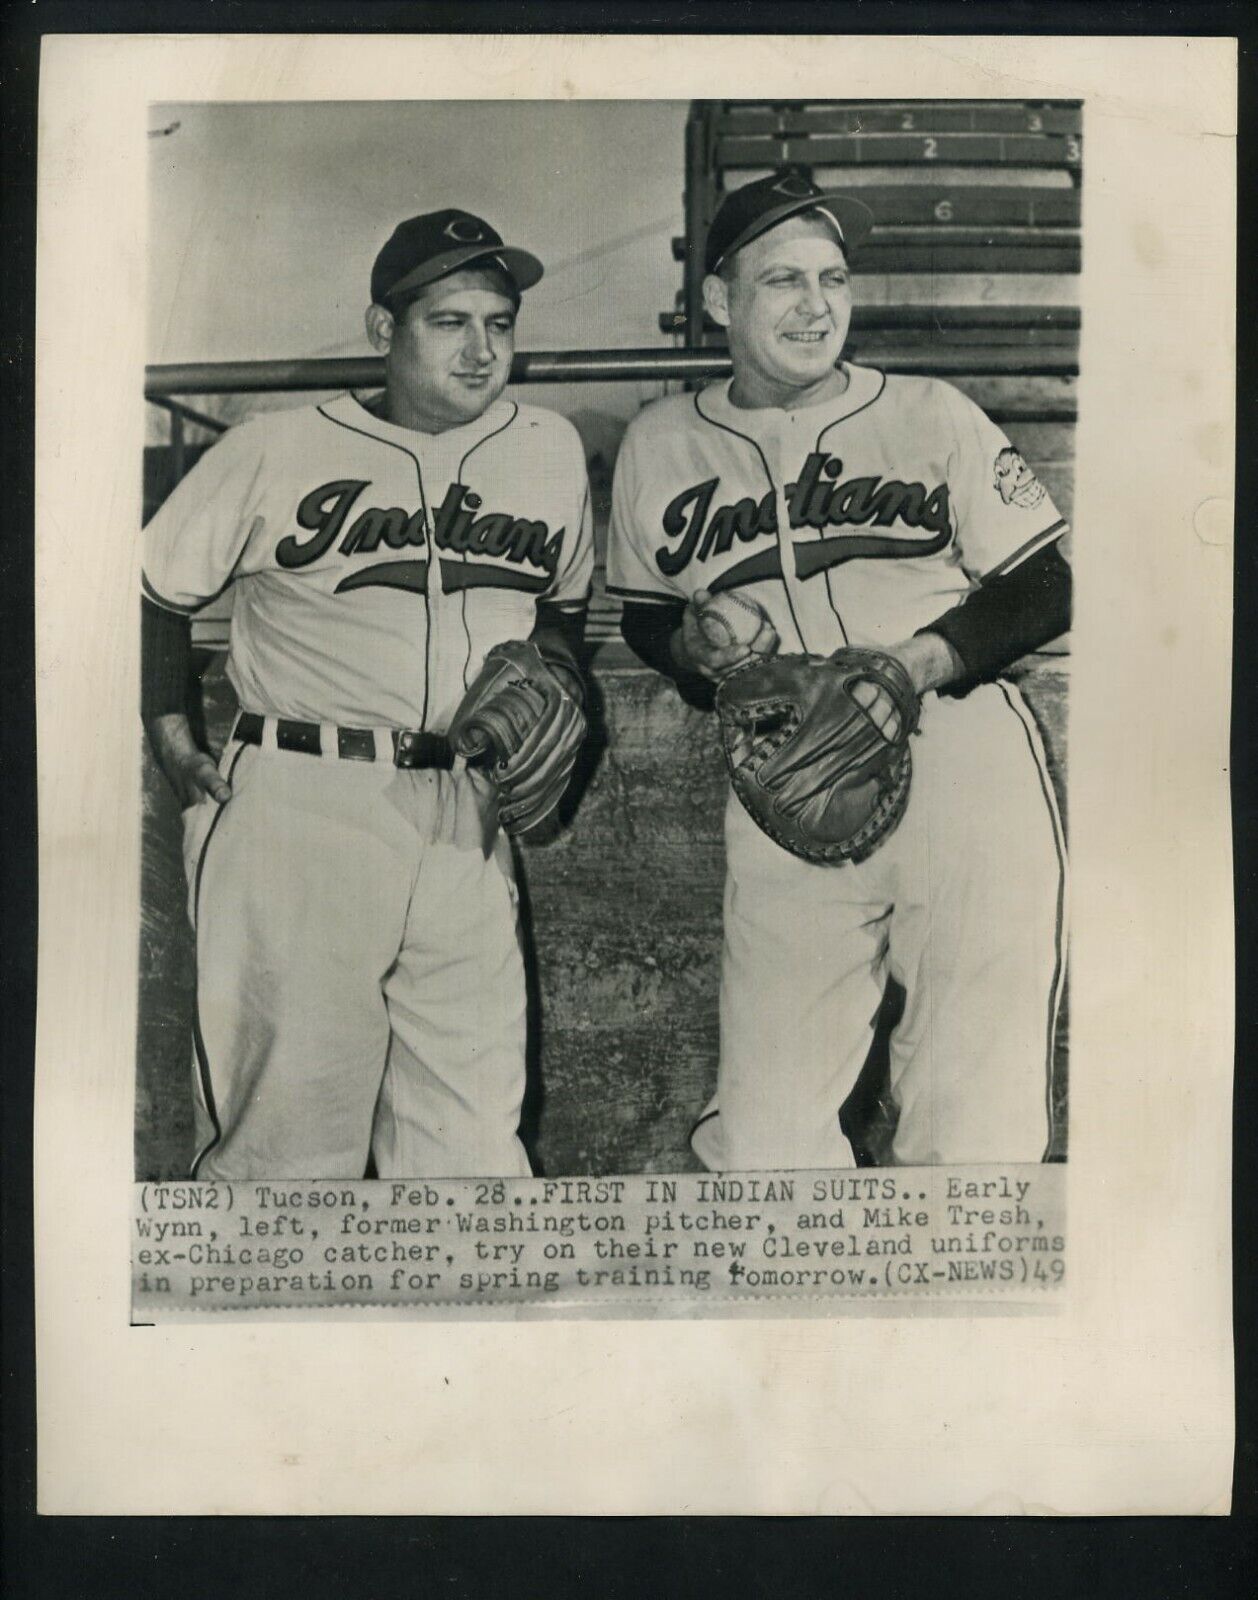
(198,1039)
(1018,706)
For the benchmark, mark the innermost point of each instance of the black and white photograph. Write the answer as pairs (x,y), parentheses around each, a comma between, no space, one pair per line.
(616,901)
(606,605)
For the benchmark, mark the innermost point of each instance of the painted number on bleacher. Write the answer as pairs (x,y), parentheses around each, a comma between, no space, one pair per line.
(1035,122)
(1072,148)
(943,211)
(906,121)
(930,148)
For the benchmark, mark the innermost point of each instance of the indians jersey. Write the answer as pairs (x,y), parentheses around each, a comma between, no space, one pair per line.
(858,521)
(375,565)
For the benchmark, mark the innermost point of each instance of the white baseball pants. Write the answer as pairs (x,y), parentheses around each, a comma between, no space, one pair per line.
(360,984)
(965,905)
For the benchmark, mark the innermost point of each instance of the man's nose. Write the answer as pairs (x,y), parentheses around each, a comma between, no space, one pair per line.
(477,345)
(811,300)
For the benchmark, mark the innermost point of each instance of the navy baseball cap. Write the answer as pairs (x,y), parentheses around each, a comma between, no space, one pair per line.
(431,246)
(746,213)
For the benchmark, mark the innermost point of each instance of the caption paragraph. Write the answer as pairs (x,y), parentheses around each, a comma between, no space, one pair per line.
(463,1245)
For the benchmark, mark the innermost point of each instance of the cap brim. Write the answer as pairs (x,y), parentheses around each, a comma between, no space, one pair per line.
(522,268)
(853,218)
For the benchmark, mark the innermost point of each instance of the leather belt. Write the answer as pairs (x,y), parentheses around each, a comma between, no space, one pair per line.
(412,748)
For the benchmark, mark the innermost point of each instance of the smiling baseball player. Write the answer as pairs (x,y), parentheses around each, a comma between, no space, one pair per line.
(411,575)
(847,508)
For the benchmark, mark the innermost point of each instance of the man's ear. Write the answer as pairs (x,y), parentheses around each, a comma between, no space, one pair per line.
(379,328)
(716,299)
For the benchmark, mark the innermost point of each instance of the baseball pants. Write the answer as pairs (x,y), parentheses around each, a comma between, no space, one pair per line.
(360,983)
(965,904)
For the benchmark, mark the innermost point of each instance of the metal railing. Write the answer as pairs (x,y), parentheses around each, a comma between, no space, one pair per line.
(1046,373)
(367,372)
(573,366)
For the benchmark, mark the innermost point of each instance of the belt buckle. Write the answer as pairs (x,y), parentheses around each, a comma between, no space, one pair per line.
(356,744)
(405,748)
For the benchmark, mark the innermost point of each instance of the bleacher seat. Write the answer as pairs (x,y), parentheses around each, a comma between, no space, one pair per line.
(971,263)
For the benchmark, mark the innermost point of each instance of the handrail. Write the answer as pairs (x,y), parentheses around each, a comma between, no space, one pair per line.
(367,372)
(1042,366)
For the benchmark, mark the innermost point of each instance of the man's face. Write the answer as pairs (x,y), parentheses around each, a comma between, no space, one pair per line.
(788,305)
(449,353)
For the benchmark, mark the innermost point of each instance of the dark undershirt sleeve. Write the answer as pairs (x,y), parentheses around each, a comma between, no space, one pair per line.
(165,659)
(559,633)
(647,628)
(567,623)
(1009,616)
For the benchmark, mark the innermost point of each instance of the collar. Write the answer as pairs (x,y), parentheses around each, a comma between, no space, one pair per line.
(863,385)
(348,409)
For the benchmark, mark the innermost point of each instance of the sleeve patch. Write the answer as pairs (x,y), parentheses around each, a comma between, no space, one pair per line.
(1014,481)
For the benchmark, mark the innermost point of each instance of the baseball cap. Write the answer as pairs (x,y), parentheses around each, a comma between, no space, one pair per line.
(425,248)
(746,213)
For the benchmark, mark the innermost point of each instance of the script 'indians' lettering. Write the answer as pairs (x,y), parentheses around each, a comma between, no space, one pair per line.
(817,500)
(325,511)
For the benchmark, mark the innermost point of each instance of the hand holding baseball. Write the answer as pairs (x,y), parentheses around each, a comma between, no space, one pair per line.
(719,632)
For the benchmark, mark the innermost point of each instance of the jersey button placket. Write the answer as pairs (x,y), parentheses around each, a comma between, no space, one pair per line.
(430,473)
(810,601)
(785,471)
(776,441)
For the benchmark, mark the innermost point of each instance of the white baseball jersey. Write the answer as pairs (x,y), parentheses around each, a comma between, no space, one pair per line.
(861,521)
(856,522)
(374,565)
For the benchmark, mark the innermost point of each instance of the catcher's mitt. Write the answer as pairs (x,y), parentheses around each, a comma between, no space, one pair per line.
(823,770)
(522,720)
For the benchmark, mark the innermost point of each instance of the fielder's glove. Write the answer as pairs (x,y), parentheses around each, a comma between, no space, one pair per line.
(818,749)
(523,721)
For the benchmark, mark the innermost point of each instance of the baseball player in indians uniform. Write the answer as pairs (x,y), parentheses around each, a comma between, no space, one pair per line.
(849,507)
(360,986)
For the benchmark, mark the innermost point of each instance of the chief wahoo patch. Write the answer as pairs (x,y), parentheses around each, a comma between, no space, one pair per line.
(1017,484)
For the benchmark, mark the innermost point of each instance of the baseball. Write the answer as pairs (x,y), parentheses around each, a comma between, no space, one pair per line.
(727,620)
